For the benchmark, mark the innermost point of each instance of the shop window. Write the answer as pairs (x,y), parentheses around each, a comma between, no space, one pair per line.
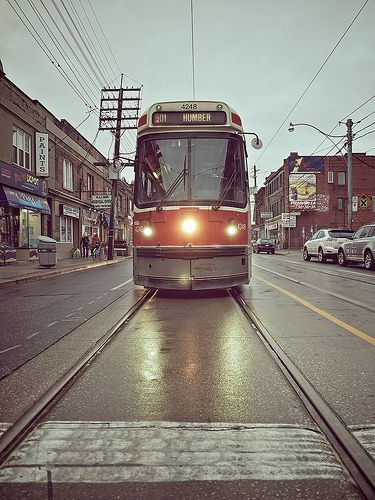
(29,228)
(66,229)
(21,148)
(68,175)
(341,178)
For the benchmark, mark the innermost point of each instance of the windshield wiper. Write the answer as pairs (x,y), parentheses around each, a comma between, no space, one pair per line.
(172,188)
(226,190)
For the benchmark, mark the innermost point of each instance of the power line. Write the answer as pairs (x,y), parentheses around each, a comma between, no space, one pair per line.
(359,137)
(312,81)
(89,41)
(100,78)
(60,49)
(98,41)
(358,131)
(47,51)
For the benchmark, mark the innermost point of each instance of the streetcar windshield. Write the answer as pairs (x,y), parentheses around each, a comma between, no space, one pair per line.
(198,170)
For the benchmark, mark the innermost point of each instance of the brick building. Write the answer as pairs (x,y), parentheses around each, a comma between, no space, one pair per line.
(315,190)
(48,180)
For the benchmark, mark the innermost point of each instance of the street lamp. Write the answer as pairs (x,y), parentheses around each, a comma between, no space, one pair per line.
(349,137)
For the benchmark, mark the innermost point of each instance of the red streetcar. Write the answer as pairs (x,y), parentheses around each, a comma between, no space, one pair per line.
(191,198)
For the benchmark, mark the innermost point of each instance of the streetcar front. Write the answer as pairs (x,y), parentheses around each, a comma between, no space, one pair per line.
(191,198)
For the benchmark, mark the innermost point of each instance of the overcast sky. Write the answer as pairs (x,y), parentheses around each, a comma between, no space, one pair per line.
(258,56)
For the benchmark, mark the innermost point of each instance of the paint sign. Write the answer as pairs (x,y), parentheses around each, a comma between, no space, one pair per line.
(41,154)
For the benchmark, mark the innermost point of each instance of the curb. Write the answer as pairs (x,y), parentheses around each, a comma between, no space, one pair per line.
(53,274)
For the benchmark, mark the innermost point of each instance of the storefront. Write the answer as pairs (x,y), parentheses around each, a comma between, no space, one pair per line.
(24,210)
(66,228)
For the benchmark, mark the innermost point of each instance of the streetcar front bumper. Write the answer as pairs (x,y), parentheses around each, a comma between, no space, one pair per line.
(191,268)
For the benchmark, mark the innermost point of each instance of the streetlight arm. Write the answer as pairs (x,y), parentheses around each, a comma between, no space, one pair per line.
(292,125)
(328,136)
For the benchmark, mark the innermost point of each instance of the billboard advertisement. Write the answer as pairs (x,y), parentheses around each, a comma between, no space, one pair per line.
(303,164)
(302,191)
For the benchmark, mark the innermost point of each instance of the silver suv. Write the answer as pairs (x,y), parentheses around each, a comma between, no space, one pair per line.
(360,249)
(325,243)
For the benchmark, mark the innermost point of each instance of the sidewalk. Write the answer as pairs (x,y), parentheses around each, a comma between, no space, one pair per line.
(22,272)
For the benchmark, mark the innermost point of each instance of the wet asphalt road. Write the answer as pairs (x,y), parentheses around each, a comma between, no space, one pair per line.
(143,420)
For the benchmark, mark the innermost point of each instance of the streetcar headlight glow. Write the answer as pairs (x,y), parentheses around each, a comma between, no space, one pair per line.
(147,231)
(189,225)
(232,228)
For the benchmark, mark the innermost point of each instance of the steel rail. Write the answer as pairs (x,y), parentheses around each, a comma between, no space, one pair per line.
(356,459)
(13,436)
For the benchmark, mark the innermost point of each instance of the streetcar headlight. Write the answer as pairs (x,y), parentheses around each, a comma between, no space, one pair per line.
(147,230)
(232,228)
(189,225)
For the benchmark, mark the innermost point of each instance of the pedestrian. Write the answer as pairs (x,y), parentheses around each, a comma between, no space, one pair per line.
(85,245)
(95,242)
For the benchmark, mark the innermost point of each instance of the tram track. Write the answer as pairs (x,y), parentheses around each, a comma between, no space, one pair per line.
(22,427)
(319,289)
(350,451)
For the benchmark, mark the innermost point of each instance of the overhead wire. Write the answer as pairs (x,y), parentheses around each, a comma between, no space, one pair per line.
(90,82)
(111,70)
(90,95)
(45,49)
(84,32)
(313,79)
(100,78)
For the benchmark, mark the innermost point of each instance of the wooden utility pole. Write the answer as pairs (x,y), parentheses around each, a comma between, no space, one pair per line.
(115,106)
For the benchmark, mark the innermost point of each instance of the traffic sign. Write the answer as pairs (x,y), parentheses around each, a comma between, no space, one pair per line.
(364,202)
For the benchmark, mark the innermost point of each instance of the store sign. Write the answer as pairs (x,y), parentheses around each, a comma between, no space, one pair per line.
(266,215)
(41,154)
(288,220)
(101,201)
(20,178)
(69,211)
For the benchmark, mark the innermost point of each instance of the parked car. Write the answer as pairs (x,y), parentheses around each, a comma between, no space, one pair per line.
(325,243)
(360,249)
(264,245)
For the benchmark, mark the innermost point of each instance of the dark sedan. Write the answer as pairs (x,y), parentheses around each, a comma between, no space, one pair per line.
(264,245)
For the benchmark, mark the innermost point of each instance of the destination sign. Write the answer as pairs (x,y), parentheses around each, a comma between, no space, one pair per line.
(189,118)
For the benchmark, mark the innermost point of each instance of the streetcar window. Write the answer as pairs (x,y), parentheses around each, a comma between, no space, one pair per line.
(191,170)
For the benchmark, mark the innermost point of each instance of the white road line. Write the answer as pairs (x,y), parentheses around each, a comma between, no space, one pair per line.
(68,315)
(98,298)
(92,301)
(79,309)
(122,284)
(51,324)
(32,335)
(10,348)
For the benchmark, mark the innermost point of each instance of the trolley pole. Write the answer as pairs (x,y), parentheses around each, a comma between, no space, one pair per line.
(114,116)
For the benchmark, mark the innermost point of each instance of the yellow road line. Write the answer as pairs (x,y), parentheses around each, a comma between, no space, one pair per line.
(325,314)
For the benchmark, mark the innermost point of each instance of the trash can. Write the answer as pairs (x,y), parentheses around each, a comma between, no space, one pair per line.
(47,251)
